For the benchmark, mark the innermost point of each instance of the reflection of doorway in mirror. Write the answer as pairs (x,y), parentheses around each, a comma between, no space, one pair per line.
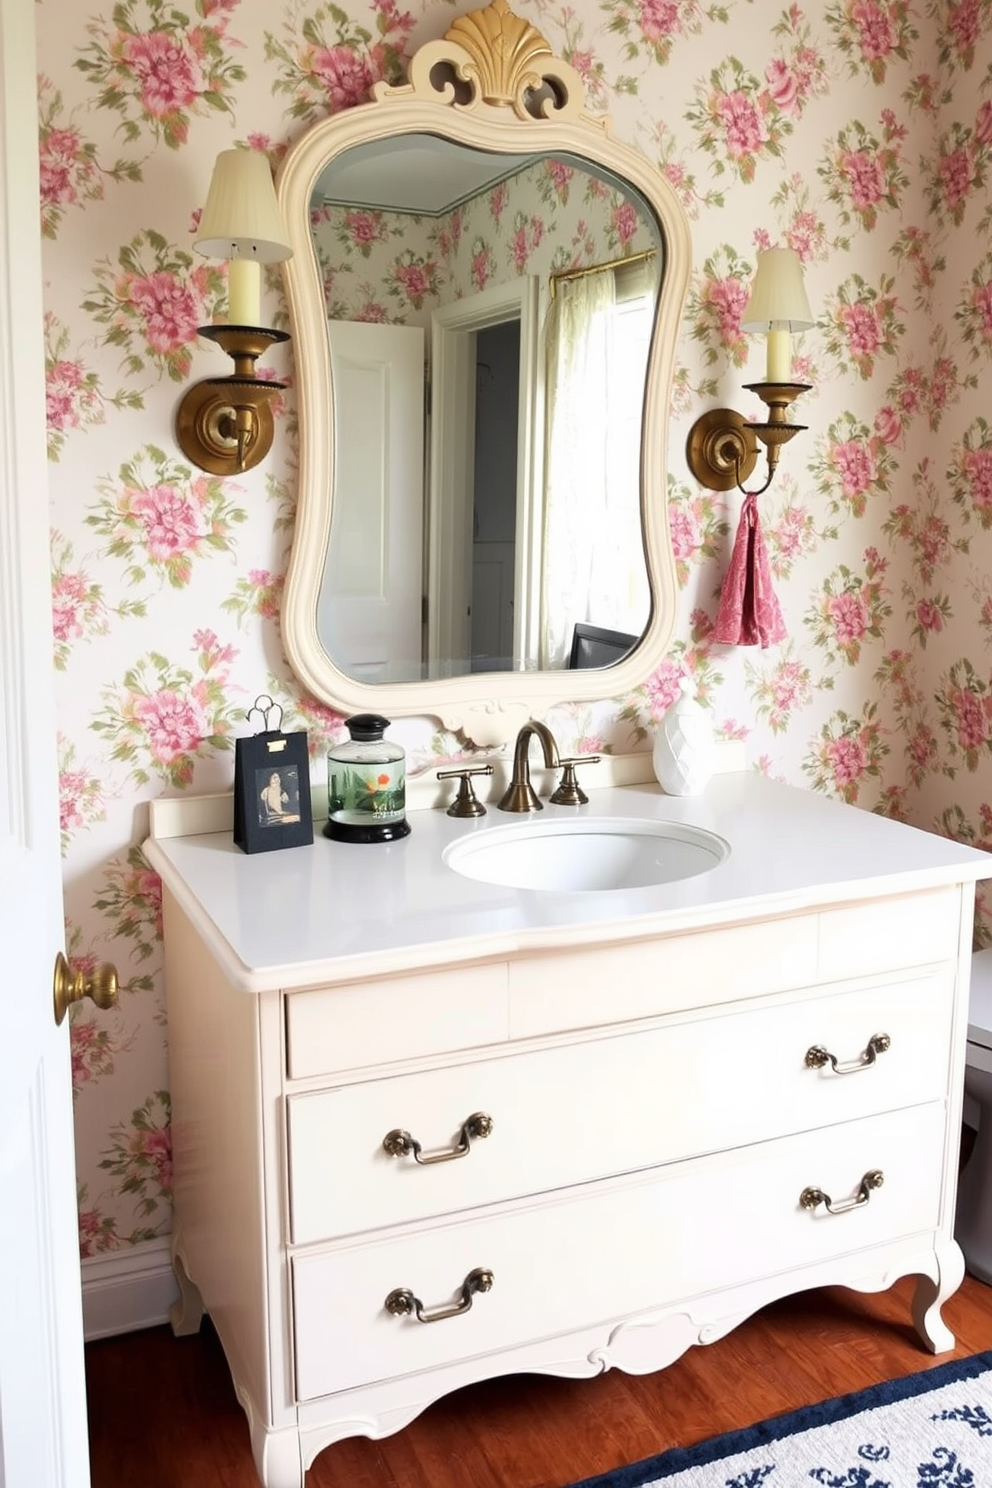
(369,606)
(497,392)
(456,330)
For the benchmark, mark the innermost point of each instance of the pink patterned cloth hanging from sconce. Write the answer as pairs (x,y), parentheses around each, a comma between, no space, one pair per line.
(749,613)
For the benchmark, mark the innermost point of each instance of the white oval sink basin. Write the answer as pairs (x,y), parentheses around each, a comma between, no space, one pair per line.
(569,857)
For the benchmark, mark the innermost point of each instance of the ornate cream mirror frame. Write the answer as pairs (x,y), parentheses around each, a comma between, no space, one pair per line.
(500,61)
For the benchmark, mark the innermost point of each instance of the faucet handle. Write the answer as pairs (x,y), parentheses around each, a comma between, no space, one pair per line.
(466,802)
(569,792)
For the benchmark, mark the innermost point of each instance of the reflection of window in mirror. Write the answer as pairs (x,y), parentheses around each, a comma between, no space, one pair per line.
(598,338)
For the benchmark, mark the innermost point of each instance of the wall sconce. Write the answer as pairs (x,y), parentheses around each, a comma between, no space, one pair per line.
(722,447)
(225,424)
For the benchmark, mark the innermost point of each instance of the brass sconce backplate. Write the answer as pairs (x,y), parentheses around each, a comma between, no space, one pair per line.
(721,450)
(207,425)
(225,425)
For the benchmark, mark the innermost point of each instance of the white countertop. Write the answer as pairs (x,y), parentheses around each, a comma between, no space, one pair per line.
(336,911)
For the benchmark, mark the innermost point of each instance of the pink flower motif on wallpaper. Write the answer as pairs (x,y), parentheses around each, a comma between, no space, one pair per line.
(974,312)
(965,705)
(963,23)
(140,1157)
(78,608)
(345,76)
(73,397)
(850,464)
(779,689)
(864,323)
(81,795)
(697,521)
(624,224)
(888,425)
(850,609)
(170,310)
(648,703)
(174,723)
(927,616)
(483,264)
(93,1048)
(70,174)
(414,278)
(783,86)
(915,247)
(864,174)
(498,198)
(130,899)
(791,535)
(554,181)
(97,1231)
(649,27)
(525,239)
(259,596)
(167,72)
(152,301)
(717,304)
(800,73)
(328,62)
(922,528)
(872,33)
(162,717)
(157,70)
(737,121)
(970,472)
(922,754)
(159,517)
(848,755)
(362,230)
(943,389)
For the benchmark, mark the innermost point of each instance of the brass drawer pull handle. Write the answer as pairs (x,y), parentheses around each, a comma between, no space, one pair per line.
(402,1302)
(399,1143)
(811,1198)
(818,1056)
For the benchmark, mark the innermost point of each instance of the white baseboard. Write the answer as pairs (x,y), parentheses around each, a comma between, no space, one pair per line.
(124,1290)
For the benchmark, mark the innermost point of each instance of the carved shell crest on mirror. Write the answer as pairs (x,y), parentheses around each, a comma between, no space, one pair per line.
(484,299)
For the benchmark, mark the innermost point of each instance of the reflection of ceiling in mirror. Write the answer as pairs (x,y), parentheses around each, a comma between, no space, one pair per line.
(415,173)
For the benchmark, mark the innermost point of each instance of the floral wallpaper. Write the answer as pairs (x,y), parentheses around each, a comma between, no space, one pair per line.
(858,132)
(545,219)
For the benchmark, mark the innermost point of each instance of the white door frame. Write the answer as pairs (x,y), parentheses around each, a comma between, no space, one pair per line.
(452,451)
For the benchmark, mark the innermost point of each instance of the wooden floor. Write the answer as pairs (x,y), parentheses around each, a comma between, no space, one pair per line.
(163,1412)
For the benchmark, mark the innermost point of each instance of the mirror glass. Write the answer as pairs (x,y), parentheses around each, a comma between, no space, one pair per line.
(489,326)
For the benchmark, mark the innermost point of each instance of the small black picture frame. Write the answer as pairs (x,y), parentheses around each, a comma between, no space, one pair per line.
(272,792)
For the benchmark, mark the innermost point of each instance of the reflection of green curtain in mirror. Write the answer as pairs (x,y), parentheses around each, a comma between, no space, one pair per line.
(596,343)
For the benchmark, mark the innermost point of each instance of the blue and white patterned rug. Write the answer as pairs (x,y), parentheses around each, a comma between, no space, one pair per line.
(932,1430)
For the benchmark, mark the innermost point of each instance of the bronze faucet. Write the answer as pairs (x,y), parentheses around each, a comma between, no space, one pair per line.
(520,794)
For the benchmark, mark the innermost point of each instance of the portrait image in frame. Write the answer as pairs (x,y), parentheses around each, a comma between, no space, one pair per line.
(272,792)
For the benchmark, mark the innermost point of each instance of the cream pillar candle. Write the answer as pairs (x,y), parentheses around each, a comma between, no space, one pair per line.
(779,356)
(244,291)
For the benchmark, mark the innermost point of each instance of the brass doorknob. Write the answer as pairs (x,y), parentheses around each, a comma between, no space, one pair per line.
(72,986)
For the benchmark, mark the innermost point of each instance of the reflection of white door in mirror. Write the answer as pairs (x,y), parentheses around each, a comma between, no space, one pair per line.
(489,117)
(369,607)
(452,479)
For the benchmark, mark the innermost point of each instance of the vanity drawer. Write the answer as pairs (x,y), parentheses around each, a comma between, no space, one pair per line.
(862,939)
(611,1250)
(645,979)
(611,1105)
(374,1022)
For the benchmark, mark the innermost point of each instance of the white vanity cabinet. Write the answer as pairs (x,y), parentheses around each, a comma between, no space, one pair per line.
(672,1109)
